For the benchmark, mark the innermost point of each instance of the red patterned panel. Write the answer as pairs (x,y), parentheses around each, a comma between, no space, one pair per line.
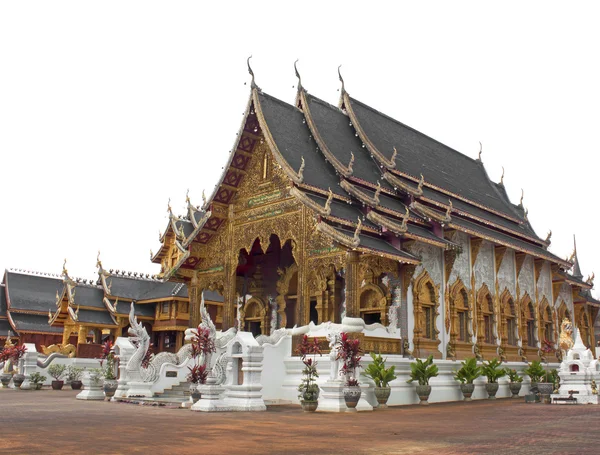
(224,195)
(246,144)
(214,223)
(232,178)
(204,237)
(240,161)
(252,125)
(190,263)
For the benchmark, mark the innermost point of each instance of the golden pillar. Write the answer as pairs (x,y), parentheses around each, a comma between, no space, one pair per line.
(195,298)
(352,285)
(82,335)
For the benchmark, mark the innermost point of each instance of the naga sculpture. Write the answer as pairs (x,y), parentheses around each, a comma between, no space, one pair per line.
(68,350)
(565,340)
(334,346)
(218,372)
(138,335)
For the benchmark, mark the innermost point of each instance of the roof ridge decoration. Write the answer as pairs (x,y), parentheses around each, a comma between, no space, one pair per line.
(302,197)
(479,160)
(502,177)
(252,82)
(397,183)
(372,201)
(346,240)
(434,214)
(389,224)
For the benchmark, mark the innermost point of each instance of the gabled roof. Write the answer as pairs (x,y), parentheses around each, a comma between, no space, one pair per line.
(32,293)
(96,317)
(141,289)
(33,323)
(2,302)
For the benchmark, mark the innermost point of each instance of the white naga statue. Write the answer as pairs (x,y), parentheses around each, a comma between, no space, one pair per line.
(139,337)
(218,372)
(334,347)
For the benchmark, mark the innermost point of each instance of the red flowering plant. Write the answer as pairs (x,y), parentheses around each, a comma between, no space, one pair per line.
(197,374)
(203,344)
(108,354)
(349,352)
(547,347)
(12,353)
(148,356)
(308,388)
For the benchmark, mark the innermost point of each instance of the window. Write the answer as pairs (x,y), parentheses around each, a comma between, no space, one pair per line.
(488,320)
(548,326)
(531,338)
(510,326)
(429,323)
(462,324)
(164,309)
(462,308)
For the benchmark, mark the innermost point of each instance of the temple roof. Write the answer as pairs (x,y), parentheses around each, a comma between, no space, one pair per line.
(33,323)
(212,296)
(142,289)
(95,317)
(2,301)
(89,296)
(5,327)
(33,293)
(145,310)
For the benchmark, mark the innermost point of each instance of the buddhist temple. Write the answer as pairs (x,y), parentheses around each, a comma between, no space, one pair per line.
(324,212)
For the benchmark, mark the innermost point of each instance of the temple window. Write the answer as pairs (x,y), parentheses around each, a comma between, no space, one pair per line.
(548,325)
(510,324)
(164,309)
(429,312)
(530,314)
(488,320)
(462,311)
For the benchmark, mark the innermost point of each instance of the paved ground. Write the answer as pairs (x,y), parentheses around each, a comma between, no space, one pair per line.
(40,422)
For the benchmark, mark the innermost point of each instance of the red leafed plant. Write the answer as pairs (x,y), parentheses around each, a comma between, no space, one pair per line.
(349,352)
(108,354)
(12,353)
(148,356)
(309,390)
(203,343)
(197,374)
(547,346)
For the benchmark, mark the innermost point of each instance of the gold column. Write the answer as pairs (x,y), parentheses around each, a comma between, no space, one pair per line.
(179,341)
(66,334)
(82,335)
(352,284)
(195,297)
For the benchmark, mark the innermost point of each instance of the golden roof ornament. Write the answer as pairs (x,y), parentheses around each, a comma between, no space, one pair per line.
(405,218)
(549,236)
(502,177)
(526,213)
(298,75)
(151,254)
(449,209)
(252,83)
(169,209)
(341,78)
(420,186)
(49,317)
(480,151)
(328,202)
(187,196)
(203,199)
(64,271)
(351,163)
(394,155)
(590,279)
(301,170)
(98,261)
(356,237)
(522,196)
(377,192)
(8,343)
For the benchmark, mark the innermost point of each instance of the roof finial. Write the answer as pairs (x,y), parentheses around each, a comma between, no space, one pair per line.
(169,209)
(203,199)
(351,163)
(393,159)
(341,78)
(357,231)
(377,191)
(328,202)
(252,83)
(187,196)
(502,177)
(298,75)
(522,195)
(549,236)
(449,209)
(590,280)
(405,218)
(301,170)
(526,213)
(151,254)
(64,271)
(480,151)
(420,187)
(98,261)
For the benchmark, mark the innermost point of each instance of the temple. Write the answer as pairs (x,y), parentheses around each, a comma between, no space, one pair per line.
(325,212)
(329,212)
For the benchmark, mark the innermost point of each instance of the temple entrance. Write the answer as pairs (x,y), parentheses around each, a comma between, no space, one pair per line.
(266,303)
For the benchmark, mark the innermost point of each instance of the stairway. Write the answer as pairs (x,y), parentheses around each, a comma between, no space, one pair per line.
(179,392)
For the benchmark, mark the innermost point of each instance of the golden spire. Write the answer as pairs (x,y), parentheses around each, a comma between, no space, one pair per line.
(298,75)
(98,261)
(351,163)
(341,78)
(502,177)
(64,271)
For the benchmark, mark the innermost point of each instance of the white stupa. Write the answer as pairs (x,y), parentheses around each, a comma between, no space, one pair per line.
(577,371)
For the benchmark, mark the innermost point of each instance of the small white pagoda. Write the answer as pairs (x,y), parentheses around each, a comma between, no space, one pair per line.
(579,373)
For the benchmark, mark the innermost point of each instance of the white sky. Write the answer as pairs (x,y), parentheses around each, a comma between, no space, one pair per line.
(108,109)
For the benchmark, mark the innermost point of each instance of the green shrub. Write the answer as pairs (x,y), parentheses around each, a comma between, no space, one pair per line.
(377,371)
(56,371)
(468,372)
(492,371)
(535,371)
(423,370)
(513,375)
(37,378)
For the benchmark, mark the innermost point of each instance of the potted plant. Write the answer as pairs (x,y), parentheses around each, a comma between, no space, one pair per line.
(74,376)
(535,371)
(197,375)
(546,384)
(422,371)
(108,371)
(203,345)
(37,380)
(10,355)
(493,372)
(382,377)
(56,371)
(515,381)
(308,388)
(466,374)
(349,352)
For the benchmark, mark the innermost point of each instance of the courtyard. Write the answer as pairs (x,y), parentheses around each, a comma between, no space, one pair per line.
(55,422)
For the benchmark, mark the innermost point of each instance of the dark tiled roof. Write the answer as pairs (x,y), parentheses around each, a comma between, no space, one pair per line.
(33,323)
(418,154)
(139,289)
(95,317)
(89,296)
(2,301)
(213,296)
(146,309)
(5,327)
(292,137)
(32,292)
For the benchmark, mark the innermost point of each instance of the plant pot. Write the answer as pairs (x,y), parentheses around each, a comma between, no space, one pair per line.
(110,387)
(194,392)
(5,378)
(545,388)
(76,385)
(57,385)
(467,390)
(382,394)
(37,386)
(492,388)
(311,406)
(424,391)
(351,396)
(515,388)
(18,380)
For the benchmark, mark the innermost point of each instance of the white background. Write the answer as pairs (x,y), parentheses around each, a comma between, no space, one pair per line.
(108,109)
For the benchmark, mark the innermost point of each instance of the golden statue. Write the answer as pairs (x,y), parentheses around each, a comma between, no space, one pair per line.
(594,388)
(566,336)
